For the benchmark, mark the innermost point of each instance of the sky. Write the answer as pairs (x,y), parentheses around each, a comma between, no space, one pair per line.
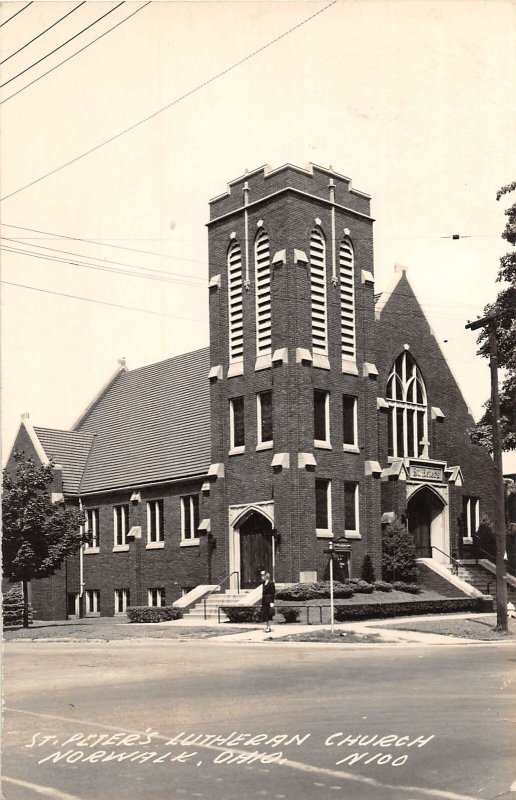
(124,144)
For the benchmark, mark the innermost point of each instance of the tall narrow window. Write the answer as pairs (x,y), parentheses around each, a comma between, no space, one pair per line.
(322,505)
(92,529)
(121,525)
(347,300)
(236,337)
(122,600)
(92,602)
(470,515)
(264,411)
(189,517)
(321,418)
(262,265)
(237,423)
(318,292)
(350,507)
(156,597)
(406,396)
(155,526)
(349,421)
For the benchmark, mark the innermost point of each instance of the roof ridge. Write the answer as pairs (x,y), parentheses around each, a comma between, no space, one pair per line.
(171,358)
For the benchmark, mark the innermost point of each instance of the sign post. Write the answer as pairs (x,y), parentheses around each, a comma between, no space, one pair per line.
(332,606)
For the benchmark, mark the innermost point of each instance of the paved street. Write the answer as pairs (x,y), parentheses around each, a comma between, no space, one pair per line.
(311,697)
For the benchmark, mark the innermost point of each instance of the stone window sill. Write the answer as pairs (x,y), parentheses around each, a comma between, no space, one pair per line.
(237,451)
(350,448)
(155,545)
(264,446)
(88,550)
(322,445)
(353,535)
(323,533)
(189,543)
(121,548)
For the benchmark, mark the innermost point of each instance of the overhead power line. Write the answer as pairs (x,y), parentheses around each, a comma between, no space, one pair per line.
(35,63)
(174,102)
(101,268)
(43,32)
(16,14)
(103,244)
(101,302)
(75,54)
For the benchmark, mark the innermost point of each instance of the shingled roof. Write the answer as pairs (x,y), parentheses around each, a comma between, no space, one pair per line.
(70,449)
(152,424)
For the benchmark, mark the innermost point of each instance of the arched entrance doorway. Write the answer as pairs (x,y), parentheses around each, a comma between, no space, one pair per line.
(425,513)
(256,542)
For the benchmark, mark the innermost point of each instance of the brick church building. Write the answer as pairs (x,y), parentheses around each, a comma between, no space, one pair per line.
(319,411)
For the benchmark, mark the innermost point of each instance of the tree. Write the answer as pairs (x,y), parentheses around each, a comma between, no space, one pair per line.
(398,553)
(367,573)
(37,534)
(506,337)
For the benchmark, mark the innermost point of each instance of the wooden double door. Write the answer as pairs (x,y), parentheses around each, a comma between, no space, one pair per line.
(256,543)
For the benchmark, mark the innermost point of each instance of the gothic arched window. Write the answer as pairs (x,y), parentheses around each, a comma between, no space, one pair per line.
(406,397)
(262,265)
(318,292)
(236,331)
(347,299)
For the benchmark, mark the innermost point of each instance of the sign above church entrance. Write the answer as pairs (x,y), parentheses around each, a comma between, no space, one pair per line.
(426,472)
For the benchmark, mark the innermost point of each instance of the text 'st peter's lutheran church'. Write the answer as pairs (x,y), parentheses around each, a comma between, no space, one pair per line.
(320,410)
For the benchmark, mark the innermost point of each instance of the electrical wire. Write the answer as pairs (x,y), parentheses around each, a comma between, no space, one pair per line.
(74,54)
(103,261)
(173,102)
(43,32)
(100,302)
(35,63)
(104,244)
(16,14)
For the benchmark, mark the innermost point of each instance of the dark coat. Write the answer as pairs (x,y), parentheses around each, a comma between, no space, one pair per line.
(269,592)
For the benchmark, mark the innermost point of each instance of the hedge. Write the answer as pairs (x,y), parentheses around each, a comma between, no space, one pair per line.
(243,613)
(382,586)
(153,613)
(446,606)
(314,591)
(401,586)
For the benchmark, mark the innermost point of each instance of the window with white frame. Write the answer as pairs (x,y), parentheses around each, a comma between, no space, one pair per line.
(236,423)
(470,516)
(235,282)
(189,517)
(156,597)
(407,417)
(264,411)
(347,299)
(91,602)
(155,523)
(92,529)
(322,505)
(262,265)
(318,292)
(121,525)
(122,600)
(321,418)
(349,422)
(351,518)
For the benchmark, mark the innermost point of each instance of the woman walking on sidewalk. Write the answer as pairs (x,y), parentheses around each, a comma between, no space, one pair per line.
(268,594)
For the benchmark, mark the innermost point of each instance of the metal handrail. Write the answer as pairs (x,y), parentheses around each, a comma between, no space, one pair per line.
(492,559)
(456,563)
(217,588)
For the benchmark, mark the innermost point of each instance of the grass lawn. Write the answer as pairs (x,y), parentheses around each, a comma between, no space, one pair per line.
(105,629)
(340,637)
(473,628)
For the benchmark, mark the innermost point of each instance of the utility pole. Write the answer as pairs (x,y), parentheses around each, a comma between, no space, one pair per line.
(499,489)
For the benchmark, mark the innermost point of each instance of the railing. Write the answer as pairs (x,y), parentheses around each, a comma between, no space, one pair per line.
(278,608)
(217,589)
(492,558)
(455,564)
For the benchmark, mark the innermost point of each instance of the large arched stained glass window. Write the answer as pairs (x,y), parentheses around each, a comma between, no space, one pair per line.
(406,396)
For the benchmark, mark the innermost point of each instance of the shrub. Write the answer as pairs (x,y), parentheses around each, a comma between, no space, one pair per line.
(12,607)
(382,586)
(445,606)
(367,573)
(398,553)
(243,613)
(153,613)
(362,587)
(290,614)
(401,586)
(314,591)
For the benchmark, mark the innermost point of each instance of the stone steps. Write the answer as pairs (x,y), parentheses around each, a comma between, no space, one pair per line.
(213,602)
